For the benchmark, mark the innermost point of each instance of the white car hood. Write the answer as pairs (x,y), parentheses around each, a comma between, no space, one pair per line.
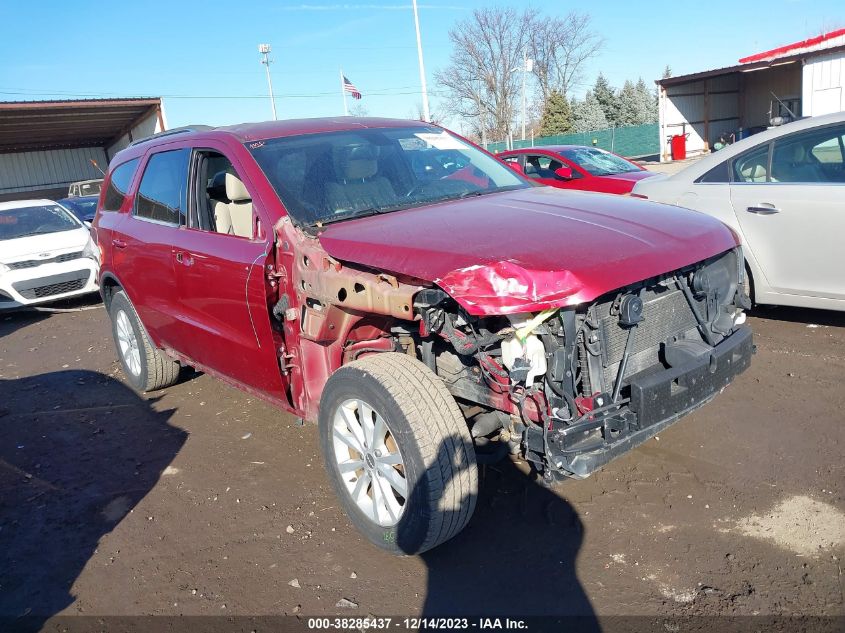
(44,246)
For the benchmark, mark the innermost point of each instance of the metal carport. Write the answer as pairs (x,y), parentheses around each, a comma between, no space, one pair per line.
(46,145)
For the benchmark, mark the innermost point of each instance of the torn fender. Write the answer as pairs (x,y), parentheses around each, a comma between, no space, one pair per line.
(505,287)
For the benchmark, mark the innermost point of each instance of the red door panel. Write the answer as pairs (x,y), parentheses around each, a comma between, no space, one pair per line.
(223,308)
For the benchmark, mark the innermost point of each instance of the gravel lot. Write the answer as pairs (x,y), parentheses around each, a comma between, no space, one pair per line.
(201,500)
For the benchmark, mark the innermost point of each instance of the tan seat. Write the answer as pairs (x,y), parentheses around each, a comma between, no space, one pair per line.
(240,207)
(755,171)
(219,203)
(359,187)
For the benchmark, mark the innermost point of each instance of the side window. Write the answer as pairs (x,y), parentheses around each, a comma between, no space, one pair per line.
(121,177)
(162,195)
(539,166)
(719,173)
(221,203)
(810,157)
(752,166)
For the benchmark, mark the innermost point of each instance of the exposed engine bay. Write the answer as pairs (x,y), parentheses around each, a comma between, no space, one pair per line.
(572,388)
(568,388)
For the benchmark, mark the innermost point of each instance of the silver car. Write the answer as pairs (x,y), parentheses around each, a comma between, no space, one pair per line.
(783,192)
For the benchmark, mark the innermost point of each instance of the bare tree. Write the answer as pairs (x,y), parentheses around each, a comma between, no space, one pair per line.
(479,81)
(481,84)
(560,47)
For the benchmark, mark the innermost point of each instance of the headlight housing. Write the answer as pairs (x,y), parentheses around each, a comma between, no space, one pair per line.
(4,268)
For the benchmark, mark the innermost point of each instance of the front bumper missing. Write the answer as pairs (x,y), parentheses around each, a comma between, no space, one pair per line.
(660,399)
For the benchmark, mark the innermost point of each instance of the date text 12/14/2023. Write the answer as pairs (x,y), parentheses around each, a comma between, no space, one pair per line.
(416,623)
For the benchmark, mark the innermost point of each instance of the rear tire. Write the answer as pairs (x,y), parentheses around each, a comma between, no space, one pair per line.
(417,436)
(145,367)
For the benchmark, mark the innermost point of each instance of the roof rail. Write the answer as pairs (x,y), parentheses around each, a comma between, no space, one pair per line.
(176,130)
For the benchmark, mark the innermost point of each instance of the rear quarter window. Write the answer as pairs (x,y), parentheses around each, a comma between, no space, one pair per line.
(720,173)
(163,192)
(121,178)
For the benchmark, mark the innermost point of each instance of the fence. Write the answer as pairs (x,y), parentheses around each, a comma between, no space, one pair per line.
(634,140)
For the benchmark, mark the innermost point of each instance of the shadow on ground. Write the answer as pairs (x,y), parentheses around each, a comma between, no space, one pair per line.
(515,558)
(831,318)
(78,451)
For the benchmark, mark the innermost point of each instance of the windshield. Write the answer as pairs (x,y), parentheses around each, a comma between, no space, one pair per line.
(332,176)
(26,221)
(88,188)
(598,162)
(82,208)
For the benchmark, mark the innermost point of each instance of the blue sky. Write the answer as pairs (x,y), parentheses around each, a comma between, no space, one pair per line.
(202,56)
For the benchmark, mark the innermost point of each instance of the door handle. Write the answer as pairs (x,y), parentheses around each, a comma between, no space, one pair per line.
(184,258)
(763,209)
(118,243)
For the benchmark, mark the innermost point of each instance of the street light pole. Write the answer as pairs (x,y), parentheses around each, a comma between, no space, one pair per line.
(426,113)
(264,49)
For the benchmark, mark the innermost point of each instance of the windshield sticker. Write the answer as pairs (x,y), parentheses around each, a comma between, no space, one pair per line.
(443,140)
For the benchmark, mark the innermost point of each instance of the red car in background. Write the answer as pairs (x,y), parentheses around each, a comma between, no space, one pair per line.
(577,167)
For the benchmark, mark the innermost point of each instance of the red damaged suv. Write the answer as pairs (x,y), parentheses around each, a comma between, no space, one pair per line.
(428,306)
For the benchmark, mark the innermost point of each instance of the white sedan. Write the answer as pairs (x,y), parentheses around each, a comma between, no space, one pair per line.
(46,253)
(783,192)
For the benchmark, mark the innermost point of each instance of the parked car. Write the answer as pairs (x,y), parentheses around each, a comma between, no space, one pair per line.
(427,321)
(577,167)
(83,207)
(46,253)
(783,192)
(85,188)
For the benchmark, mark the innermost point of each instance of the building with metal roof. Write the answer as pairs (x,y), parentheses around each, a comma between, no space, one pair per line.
(46,145)
(805,78)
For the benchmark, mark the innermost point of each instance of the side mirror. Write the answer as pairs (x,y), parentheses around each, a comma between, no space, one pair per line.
(516,167)
(564,172)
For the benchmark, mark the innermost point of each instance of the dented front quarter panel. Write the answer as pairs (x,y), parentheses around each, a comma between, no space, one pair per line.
(331,308)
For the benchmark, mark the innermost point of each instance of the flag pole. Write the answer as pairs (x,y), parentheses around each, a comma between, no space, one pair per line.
(343,92)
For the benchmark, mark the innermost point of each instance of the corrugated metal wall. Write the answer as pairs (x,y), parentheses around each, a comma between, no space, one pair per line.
(824,85)
(51,169)
(47,174)
(758,86)
(146,127)
(702,109)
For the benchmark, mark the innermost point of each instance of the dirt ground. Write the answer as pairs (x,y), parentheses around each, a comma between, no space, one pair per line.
(201,500)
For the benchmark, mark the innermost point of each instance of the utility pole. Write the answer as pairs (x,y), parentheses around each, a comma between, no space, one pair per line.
(426,113)
(264,49)
(527,67)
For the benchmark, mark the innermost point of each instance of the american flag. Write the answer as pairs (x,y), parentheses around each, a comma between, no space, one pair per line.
(349,87)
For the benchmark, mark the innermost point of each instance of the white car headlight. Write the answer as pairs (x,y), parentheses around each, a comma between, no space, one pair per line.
(4,268)
(91,251)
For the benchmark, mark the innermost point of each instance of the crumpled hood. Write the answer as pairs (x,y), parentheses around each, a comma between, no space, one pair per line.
(531,249)
(47,245)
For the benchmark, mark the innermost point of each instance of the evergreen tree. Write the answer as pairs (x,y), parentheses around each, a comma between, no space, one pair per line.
(557,115)
(607,99)
(589,115)
(667,72)
(649,98)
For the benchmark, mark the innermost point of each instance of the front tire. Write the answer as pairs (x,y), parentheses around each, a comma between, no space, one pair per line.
(145,367)
(398,453)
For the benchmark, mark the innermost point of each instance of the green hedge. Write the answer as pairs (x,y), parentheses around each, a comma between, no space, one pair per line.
(634,140)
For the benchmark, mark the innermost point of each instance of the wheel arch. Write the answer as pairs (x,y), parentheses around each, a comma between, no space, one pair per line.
(109,285)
